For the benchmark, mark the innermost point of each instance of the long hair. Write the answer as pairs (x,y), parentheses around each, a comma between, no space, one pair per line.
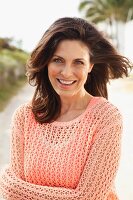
(108,64)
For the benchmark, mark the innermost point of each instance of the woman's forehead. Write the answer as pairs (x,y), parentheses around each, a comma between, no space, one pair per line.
(72,47)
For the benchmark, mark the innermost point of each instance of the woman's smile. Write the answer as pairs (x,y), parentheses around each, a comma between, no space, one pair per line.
(65,84)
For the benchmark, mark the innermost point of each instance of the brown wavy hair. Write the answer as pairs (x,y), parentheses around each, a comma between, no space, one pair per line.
(108,64)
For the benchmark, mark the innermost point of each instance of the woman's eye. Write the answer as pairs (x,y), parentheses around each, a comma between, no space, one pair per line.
(57,60)
(79,62)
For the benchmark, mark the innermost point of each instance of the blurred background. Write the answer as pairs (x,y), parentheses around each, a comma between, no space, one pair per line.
(22,24)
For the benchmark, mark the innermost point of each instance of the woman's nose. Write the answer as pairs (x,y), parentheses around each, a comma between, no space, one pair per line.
(66,71)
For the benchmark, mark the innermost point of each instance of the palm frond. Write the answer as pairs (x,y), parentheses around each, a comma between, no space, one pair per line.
(119,10)
(83,4)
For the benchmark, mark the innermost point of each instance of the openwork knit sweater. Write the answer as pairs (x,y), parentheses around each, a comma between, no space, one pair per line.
(75,160)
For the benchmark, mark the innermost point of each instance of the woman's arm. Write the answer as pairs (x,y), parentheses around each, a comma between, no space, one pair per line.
(16,164)
(98,174)
(17,142)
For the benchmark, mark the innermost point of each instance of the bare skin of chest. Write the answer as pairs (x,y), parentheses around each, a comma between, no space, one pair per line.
(70,115)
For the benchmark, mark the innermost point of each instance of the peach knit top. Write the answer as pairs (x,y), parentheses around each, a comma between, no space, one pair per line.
(74,160)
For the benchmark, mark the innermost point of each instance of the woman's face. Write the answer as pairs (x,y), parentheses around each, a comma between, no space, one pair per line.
(69,67)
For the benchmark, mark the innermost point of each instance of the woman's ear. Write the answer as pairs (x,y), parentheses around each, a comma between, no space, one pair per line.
(90,68)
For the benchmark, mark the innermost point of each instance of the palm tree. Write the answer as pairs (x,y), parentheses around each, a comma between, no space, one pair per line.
(112,12)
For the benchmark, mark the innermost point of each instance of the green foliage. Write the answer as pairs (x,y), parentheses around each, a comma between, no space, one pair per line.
(110,12)
(12,70)
(5,43)
(18,56)
(83,4)
(103,10)
(12,62)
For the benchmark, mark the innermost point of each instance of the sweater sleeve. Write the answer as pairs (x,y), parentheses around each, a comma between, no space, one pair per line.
(16,164)
(17,142)
(96,179)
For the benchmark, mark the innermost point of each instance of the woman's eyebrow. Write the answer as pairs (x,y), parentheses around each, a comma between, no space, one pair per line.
(73,59)
(79,59)
(57,56)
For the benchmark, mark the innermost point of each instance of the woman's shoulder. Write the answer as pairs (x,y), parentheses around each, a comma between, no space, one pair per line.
(105,107)
(103,102)
(22,110)
(105,114)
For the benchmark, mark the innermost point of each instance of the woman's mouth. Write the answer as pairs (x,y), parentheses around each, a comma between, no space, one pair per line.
(66,82)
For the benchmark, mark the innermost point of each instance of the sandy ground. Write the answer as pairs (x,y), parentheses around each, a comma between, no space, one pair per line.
(121,95)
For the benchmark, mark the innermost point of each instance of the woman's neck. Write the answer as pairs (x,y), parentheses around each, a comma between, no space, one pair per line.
(75,103)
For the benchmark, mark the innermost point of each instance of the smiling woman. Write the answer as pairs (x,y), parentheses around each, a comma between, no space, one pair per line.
(68,69)
(65,143)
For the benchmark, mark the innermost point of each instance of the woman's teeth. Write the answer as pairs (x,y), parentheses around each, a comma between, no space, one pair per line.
(66,82)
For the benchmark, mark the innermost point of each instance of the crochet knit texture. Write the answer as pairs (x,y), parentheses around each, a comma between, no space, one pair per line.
(74,160)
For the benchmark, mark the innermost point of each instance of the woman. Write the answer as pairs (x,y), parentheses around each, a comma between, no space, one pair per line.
(66,143)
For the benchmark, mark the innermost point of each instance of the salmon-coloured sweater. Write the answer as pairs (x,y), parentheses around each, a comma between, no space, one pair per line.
(75,160)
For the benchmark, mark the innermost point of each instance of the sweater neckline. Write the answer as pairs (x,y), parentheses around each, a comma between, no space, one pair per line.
(89,106)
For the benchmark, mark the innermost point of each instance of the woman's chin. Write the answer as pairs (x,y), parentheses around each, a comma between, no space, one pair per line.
(66,94)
